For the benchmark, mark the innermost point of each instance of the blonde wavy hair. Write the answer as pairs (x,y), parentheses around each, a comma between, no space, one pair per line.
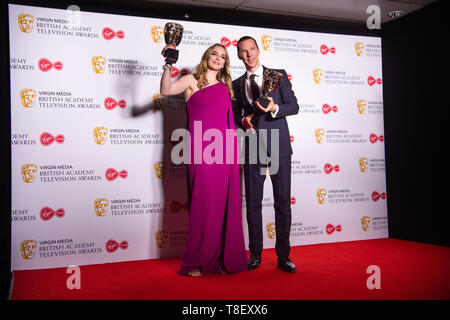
(223,75)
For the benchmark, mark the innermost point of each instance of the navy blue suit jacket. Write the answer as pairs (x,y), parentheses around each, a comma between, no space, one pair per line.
(283,96)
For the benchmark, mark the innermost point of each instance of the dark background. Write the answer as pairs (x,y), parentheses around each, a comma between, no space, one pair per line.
(415,71)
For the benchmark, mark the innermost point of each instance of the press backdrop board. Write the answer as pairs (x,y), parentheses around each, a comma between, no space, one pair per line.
(92,177)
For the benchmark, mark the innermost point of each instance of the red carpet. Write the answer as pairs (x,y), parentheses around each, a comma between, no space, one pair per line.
(409,270)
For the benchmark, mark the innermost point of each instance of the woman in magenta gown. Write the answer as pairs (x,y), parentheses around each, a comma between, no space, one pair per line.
(215,240)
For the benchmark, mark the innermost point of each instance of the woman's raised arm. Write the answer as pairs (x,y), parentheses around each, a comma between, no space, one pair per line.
(168,88)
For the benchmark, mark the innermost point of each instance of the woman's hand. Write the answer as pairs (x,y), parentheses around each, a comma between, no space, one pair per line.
(171,46)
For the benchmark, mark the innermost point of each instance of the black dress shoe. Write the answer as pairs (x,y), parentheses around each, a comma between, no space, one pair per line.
(254,262)
(286,265)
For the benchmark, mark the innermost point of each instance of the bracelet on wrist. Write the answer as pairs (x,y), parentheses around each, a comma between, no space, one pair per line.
(167,67)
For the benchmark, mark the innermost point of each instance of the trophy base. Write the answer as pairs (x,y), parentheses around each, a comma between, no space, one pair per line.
(263,101)
(171,55)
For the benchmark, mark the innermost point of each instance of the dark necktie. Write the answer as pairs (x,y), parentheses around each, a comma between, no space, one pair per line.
(254,88)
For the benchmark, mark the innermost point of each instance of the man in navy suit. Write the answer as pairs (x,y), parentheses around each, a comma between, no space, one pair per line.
(250,115)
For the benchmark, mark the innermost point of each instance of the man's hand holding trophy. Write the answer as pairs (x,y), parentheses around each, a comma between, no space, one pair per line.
(271,82)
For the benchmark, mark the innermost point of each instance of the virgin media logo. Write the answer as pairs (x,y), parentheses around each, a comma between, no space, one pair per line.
(46,65)
(328,168)
(376,196)
(184,71)
(330,228)
(47,139)
(113,245)
(374,138)
(227,42)
(326,108)
(109,33)
(293,200)
(174,72)
(111,103)
(371,81)
(324,49)
(112,174)
(47,213)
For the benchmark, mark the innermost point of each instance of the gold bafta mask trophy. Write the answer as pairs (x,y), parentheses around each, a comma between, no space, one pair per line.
(271,82)
(173,32)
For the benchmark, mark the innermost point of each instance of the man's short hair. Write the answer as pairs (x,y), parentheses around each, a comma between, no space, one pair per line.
(246,38)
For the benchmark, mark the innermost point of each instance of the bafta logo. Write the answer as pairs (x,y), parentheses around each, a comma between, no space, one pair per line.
(362,106)
(29,172)
(359,48)
(101,207)
(317,75)
(158,168)
(270,230)
(266,41)
(28,249)
(158,101)
(28,97)
(365,223)
(320,135)
(25,22)
(157,33)
(98,64)
(363,164)
(321,196)
(100,135)
(161,239)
